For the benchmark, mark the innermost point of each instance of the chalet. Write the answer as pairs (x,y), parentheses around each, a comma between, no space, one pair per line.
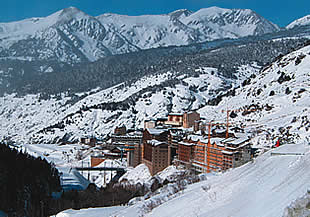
(175,135)
(221,133)
(132,142)
(155,155)
(129,138)
(161,121)
(208,155)
(237,152)
(159,134)
(96,160)
(185,120)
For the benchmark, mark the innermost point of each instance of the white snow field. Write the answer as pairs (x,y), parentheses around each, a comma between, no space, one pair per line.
(264,188)
(139,174)
(96,212)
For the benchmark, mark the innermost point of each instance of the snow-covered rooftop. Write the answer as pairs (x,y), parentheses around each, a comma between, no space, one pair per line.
(187,143)
(156,131)
(155,142)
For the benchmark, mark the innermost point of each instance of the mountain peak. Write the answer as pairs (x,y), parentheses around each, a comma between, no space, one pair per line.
(70,13)
(304,21)
(179,13)
(70,10)
(213,10)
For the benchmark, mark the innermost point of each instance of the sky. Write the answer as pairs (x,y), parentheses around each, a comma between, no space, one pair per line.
(280,12)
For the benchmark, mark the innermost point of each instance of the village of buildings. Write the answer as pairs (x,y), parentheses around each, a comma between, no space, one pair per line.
(182,139)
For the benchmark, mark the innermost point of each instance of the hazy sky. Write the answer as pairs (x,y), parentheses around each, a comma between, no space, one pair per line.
(280,12)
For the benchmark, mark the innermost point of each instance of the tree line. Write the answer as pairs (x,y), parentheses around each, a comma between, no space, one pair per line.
(26,183)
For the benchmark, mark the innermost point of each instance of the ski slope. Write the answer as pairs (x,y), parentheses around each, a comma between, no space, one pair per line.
(262,188)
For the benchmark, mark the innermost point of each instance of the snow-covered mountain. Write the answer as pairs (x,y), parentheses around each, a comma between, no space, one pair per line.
(68,35)
(184,27)
(304,21)
(72,36)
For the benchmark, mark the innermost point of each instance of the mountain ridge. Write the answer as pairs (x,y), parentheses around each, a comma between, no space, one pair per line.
(72,36)
(303,21)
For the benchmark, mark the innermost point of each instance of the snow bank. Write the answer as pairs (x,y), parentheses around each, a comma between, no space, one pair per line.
(168,172)
(97,212)
(300,207)
(140,174)
(65,159)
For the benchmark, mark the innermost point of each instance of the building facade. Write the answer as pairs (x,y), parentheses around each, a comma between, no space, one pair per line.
(155,149)
(189,119)
(186,154)
(218,154)
(175,119)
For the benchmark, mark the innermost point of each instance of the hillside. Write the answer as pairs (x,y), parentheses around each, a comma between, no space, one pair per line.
(225,55)
(185,27)
(189,82)
(280,96)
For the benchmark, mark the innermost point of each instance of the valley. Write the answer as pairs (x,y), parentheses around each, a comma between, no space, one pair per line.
(190,113)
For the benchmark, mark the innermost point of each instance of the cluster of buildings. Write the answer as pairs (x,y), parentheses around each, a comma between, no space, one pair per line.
(183,139)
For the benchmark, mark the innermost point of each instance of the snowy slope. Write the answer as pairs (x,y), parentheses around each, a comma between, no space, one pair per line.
(262,188)
(95,212)
(139,174)
(280,96)
(279,93)
(304,21)
(47,121)
(72,36)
